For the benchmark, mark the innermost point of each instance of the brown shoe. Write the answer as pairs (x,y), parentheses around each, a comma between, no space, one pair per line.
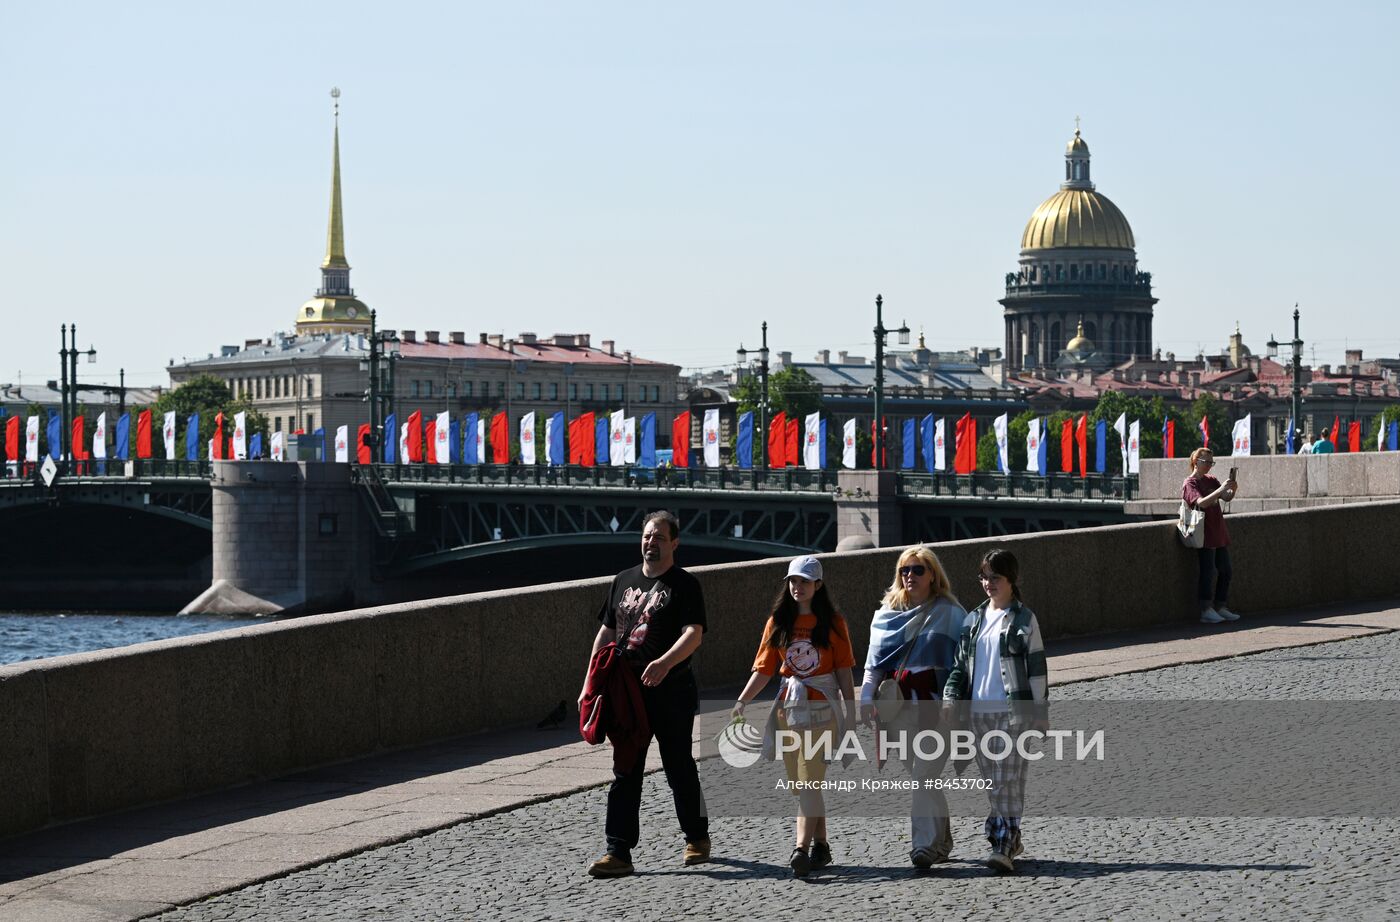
(610,866)
(697,852)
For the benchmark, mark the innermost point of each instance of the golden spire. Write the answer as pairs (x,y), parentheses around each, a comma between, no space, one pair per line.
(335,236)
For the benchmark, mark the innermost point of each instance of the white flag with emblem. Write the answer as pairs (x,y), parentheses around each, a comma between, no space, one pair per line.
(811,442)
(403,443)
(240,436)
(278,452)
(1120,426)
(342,445)
(629,440)
(99,437)
(848,444)
(616,451)
(549,442)
(1134,445)
(1003,448)
(710,437)
(31,440)
(442,438)
(480,440)
(168,430)
(940,462)
(1033,437)
(527,438)
(1240,437)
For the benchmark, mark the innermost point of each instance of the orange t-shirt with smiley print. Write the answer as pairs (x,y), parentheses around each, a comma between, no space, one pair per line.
(801,657)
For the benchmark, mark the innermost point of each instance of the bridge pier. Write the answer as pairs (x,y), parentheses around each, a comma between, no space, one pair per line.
(287,539)
(868,512)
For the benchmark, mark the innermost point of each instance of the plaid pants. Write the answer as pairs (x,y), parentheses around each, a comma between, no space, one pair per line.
(1007,795)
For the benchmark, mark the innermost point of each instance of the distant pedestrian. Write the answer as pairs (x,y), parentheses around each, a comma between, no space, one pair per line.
(1324,446)
(806,642)
(655,613)
(913,636)
(1204,492)
(1000,668)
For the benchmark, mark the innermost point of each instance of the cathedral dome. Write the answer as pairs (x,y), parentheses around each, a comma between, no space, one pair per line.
(1077,218)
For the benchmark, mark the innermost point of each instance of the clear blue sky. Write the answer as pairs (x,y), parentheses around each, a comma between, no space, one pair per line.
(669,175)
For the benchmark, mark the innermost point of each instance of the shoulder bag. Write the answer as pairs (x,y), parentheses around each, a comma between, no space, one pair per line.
(1190,526)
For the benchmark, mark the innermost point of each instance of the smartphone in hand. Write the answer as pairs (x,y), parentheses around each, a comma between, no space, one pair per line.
(1232,472)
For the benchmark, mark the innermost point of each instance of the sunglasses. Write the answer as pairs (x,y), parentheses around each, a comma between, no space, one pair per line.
(917,569)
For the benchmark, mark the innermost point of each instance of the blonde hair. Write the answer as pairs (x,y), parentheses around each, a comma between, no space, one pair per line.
(896,597)
(1197,453)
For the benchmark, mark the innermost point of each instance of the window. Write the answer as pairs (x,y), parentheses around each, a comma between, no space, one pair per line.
(452,388)
(520,390)
(642,393)
(656,393)
(413,388)
(427,388)
(310,422)
(500,388)
(1059,272)
(573,390)
(588,392)
(466,388)
(621,391)
(276,424)
(554,390)
(1074,273)
(310,387)
(535,390)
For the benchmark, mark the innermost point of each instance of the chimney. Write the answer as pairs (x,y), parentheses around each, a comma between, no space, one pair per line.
(841,357)
(565,339)
(458,337)
(409,336)
(227,351)
(627,355)
(609,346)
(431,336)
(584,339)
(1195,379)
(1118,375)
(824,356)
(891,361)
(785,359)
(1353,356)
(528,339)
(1326,370)
(250,343)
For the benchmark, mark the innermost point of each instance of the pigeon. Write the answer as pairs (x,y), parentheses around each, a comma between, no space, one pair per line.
(554,718)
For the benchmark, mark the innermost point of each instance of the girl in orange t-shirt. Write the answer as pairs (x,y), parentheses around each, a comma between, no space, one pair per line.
(807,644)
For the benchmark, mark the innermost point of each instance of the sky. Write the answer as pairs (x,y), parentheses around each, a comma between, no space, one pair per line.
(671,175)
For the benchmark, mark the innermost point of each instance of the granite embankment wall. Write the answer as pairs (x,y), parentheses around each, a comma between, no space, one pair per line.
(98,732)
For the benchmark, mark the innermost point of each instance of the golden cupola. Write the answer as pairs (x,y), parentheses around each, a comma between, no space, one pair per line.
(1077,216)
(334,309)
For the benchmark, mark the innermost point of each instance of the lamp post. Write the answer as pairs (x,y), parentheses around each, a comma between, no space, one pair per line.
(380,344)
(1297,346)
(762,440)
(880,333)
(68,395)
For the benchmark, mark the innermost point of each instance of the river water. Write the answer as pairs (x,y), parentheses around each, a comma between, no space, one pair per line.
(36,635)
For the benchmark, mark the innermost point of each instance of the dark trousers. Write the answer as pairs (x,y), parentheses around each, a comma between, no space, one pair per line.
(671,710)
(1214,571)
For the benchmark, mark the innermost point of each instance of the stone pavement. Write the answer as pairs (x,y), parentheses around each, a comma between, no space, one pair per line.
(378,816)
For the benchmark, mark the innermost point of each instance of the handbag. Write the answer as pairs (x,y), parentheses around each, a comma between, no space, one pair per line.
(1190,526)
(889,698)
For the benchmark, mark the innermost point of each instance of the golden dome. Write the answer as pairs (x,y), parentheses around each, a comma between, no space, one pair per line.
(1081,344)
(1077,218)
(1076,144)
(334,314)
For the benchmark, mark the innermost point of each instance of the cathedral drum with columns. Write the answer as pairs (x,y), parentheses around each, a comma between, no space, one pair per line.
(1078,282)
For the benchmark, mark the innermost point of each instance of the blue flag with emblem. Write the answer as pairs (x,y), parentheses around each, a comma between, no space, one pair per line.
(743,445)
(1100,446)
(391,438)
(906,455)
(646,456)
(192,438)
(123,437)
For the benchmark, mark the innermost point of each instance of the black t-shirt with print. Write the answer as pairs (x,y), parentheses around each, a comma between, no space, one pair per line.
(654,610)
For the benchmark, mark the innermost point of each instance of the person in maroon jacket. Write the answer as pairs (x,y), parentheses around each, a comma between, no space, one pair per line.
(1202,491)
(655,613)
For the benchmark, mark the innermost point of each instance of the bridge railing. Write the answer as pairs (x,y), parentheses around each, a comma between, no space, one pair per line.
(97,469)
(1018,485)
(572,475)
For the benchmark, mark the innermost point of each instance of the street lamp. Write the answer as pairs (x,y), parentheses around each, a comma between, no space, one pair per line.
(68,395)
(384,343)
(880,333)
(762,440)
(1297,345)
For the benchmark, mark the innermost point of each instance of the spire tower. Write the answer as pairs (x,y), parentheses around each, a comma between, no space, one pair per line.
(335,309)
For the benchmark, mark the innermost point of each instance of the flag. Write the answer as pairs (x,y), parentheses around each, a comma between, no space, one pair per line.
(554,438)
(1169,437)
(629,440)
(1134,446)
(602,439)
(617,421)
(588,445)
(907,443)
(454,441)
(1033,439)
(479,437)
(500,439)
(471,453)
(710,438)
(1044,448)
(364,448)
(76,446)
(1081,435)
(1101,446)
(1336,424)
(680,439)
(1353,435)
(442,438)
(391,438)
(821,441)
(777,440)
(743,445)
(192,438)
(877,439)
(52,435)
(12,439)
(1120,426)
(1380,433)
(404,456)
(255,445)
(99,437)
(1003,453)
(430,444)
(143,433)
(211,449)
(527,438)
(792,442)
(940,453)
(279,449)
(848,444)
(31,440)
(1067,446)
(926,441)
(320,434)
(646,442)
(218,440)
(342,445)
(414,452)
(811,442)
(240,436)
(123,440)
(1239,437)
(965,445)
(1204,427)
(1288,446)
(1393,437)
(168,430)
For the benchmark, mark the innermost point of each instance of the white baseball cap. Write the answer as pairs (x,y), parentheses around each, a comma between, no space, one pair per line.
(807,567)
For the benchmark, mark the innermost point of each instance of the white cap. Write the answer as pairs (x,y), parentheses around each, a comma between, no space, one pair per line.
(807,567)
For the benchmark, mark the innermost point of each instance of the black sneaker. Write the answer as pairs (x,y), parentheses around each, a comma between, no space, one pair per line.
(800,862)
(821,855)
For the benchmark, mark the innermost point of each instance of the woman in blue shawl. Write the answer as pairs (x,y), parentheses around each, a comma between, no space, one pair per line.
(913,639)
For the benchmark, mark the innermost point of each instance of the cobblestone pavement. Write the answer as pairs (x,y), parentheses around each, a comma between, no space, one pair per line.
(529,863)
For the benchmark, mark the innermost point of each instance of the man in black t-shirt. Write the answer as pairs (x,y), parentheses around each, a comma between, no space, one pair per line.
(656,613)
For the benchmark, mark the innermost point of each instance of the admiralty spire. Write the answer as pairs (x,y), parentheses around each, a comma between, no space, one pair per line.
(334,309)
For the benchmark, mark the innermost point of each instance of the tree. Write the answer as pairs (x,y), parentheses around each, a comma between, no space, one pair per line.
(792,391)
(207,396)
(1213,411)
